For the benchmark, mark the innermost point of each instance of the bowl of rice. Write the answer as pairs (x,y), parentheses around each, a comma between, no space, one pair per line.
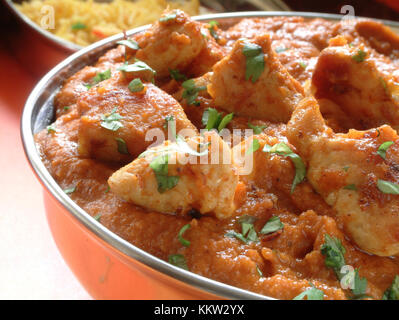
(53,29)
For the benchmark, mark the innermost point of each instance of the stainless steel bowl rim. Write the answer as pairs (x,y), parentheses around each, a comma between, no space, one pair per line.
(203,283)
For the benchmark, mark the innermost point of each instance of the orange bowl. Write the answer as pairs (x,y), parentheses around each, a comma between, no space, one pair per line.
(108,266)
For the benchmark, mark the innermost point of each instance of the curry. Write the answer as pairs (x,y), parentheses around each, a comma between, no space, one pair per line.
(278,171)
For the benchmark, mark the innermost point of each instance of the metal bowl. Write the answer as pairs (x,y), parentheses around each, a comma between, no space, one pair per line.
(108,266)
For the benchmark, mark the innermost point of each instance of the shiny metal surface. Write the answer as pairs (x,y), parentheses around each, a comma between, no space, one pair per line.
(38,114)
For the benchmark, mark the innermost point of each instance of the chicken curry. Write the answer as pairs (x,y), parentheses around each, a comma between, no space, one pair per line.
(302,116)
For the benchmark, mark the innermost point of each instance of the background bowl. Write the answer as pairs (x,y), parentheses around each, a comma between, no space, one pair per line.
(106,265)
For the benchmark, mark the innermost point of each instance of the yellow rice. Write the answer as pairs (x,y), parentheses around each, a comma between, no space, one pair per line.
(98,20)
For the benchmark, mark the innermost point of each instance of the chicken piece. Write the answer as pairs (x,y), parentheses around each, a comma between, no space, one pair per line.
(272,96)
(349,77)
(347,170)
(165,180)
(132,113)
(173,42)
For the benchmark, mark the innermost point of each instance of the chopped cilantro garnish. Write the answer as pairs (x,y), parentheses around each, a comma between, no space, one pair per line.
(212,29)
(190,92)
(260,273)
(136,85)
(100,76)
(138,66)
(303,65)
(248,232)
(98,217)
(66,108)
(183,241)
(274,224)
(130,43)
(311,294)
(392,293)
(168,17)
(111,121)
(256,129)
(122,147)
(178,260)
(387,187)
(70,190)
(160,167)
(284,150)
(359,56)
(255,61)
(350,187)
(334,252)
(51,128)
(346,168)
(254,146)
(212,119)
(177,75)
(78,26)
(383,148)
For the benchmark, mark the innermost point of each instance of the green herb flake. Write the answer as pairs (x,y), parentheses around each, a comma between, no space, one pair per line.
(51,128)
(111,121)
(212,29)
(191,91)
(183,241)
(66,108)
(168,17)
(334,252)
(255,145)
(359,56)
(303,65)
(392,293)
(100,76)
(255,61)
(160,167)
(130,43)
(387,187)
(260,273)
(70,190)
(212,119)
(122,147)
(178,260)
(137,66)
(177,75)
(98,217)
(383,149)
(108,189)
(311,294)
(256,129)
(350,187)
(136,85)
(283,149)
(78,26)
(346,168)
(274,224)
(239,236)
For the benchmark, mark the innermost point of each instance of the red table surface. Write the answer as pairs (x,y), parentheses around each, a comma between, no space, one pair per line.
(30,266)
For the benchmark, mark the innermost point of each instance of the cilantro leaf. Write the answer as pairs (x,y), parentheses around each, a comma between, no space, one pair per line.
(183,241)
(334,252)
(255,61)
(137,66)
(212,119)
(111,121)
(178,260)
(130,43)
(256,129)
(78,26)
(160,167)
(168,17)
(136,85)
(392,293)
(70,190)
(387,187)
(383,148)
(99,77)
(272,225)
(177,75)
(350,187)
(212,29)
(191,91)
(283,149)
(359,56)
(311,294)
(122,147)
(254,146)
